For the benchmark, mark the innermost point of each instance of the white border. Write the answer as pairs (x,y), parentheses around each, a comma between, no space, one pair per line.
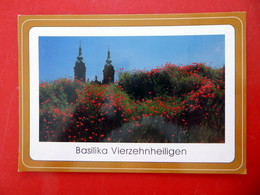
(223,153)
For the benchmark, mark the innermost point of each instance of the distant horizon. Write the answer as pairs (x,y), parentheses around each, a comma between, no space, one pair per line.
(57,55)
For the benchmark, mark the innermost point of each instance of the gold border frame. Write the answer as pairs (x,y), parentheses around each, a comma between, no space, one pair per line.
(236,19)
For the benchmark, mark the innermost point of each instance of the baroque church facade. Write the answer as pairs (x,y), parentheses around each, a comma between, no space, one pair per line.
(80,70)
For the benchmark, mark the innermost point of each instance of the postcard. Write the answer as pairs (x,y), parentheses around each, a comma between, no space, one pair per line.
(133,93)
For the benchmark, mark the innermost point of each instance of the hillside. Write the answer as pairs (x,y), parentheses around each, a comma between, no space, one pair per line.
(167,104)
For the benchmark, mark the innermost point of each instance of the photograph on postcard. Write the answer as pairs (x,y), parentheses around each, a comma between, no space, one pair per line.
(141,89)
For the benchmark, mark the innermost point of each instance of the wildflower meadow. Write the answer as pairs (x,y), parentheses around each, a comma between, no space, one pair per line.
(167,104)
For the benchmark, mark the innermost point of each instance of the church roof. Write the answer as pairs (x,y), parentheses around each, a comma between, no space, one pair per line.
(80,58)
(108,61)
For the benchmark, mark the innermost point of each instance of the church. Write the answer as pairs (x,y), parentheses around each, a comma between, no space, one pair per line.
(80,70)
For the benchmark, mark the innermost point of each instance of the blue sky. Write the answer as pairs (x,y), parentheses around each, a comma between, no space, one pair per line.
(57,55)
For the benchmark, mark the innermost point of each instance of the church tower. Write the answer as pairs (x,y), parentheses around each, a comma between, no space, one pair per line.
(109,71)
(80,68)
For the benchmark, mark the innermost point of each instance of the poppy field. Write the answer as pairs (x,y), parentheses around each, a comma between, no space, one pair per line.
(167,104)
